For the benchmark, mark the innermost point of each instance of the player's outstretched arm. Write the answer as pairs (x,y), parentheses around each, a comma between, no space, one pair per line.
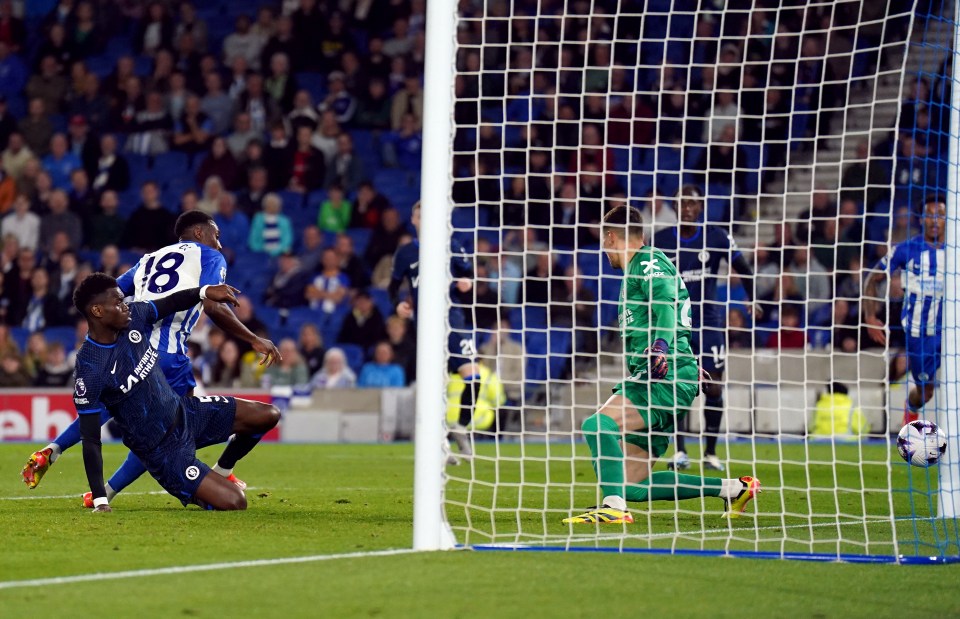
(185,299)
(93,460)
(875,327)
(221,316)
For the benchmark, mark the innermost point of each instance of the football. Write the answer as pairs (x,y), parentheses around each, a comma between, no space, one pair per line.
(921,443)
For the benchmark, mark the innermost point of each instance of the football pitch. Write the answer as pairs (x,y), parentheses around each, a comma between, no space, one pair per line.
(320,535)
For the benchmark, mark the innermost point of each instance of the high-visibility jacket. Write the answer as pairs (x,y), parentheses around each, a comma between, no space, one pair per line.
(491,397)
(836,415)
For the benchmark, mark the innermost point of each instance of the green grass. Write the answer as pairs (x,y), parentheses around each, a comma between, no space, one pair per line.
(318,500)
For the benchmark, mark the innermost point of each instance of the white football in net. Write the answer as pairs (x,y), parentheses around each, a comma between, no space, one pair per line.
(921,443)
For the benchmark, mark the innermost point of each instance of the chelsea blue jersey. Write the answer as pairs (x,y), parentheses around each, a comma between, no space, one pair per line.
(406,265)
(698,260)
(124,379)
(922,273)
(171,269)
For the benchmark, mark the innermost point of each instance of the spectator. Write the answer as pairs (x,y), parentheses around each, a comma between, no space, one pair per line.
(790,334)
(82,145)
(176,96)
(290,370)
(374,108)
(56,371)
(287,286)
(335,41)
(354,77)
(190,23)
(216,104)
(278,157)
(150,227)
(8,123)
(12,32)
(60,163)
(281,86)
(90,105)
(811,278)
(83,200)
(865,179)
(221,164)
(506,352)
(193,129)
(303,112)
(335,374)
(846,323)
(308,20)
(107,225)
(64,278)
(43,308)
(382,372)
(212,195)
(110,261)
(264,27)
(12,372)
(18,287)
(60,219)
(370,204)
(251,158)
(127,104)
(350,263)
(225,370)
(23,224)
(15,156)
(234,225)
(339,100)
(13,73)
(48,86)
(243,43)
(330,287)
(243,134)
(250,200)
(364,325)
(36,127)
(112,172)
(407,101)
(308,164)
(161,73)
(156,31)
(56,44)
(401,43)
(385,238)
(151,129)
(335,211)
(404,345)
(246,315)
(345,169)
(823,208)
(42,191)
(271,231)
(402,148)
(282,42)
(311,249)
(311,347)
(738,334)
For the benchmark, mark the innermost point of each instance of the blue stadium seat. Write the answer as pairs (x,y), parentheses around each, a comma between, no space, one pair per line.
(361,238)
(355,356)
(382,299)
(314,83)
(20,336)
(64,335)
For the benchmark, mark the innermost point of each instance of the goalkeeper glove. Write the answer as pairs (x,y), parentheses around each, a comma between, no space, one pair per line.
(658,359)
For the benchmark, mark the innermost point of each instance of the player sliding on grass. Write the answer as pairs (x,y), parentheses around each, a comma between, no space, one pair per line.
(118,374)
(921,262)
(195,260)
(632,429)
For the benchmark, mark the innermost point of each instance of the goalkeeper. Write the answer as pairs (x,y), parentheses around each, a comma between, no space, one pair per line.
(632,429)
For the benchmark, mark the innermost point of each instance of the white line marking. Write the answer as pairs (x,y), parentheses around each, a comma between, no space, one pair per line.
(186,569)
(31,497)
(76,495)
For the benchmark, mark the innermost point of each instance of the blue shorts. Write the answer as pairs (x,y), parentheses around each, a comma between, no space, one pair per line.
(709,344)
(201,422)
(178,371)
(923,354)
(460,342)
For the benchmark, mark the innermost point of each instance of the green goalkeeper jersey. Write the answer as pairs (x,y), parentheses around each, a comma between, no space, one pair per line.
(654,305)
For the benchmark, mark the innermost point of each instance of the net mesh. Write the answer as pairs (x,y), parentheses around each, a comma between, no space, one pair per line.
(813,131)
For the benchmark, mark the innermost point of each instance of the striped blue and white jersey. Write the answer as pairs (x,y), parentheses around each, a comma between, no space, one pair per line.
(922,273)
(172,269)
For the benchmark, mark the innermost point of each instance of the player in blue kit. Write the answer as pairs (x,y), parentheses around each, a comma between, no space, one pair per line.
(698,250)
(460,343)
(118,373)
(192,262)
(921,263)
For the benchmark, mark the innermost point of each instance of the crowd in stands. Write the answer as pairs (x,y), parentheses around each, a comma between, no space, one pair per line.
(297,125)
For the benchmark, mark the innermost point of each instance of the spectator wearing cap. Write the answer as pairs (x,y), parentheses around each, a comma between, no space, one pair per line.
(15,156)
(407,101)
(36,127)
(339,100)
(13,73)
(112,172)
(60,163)
(271,232)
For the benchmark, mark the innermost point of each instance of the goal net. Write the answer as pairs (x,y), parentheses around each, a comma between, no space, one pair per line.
(799,141)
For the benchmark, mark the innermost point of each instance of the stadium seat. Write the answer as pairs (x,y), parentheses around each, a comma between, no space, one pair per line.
(20,336)
(355,356)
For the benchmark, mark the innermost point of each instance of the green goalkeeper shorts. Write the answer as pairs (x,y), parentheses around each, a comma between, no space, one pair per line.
(660,403)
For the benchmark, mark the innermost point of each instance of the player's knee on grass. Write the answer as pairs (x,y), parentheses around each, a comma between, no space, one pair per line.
(255,417)
(221,494)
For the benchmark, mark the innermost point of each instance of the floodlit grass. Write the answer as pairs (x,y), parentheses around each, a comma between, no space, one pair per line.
(335,499)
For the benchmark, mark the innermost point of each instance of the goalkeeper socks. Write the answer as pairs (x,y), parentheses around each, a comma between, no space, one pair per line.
(603,437)
(670,486)
(471,393)
(239,446)
(129,472)
(712,414)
